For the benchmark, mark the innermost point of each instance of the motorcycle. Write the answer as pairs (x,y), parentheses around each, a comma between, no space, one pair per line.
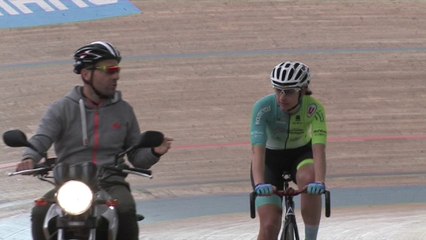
(91,213)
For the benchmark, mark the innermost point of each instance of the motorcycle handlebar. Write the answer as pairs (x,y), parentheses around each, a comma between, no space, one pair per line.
(136,171)
(17,138)
(34,171)
(41,169)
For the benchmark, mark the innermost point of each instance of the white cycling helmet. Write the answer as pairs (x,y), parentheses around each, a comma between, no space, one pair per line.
(290,75)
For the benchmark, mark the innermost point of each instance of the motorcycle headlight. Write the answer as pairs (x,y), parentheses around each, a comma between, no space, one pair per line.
(74,197)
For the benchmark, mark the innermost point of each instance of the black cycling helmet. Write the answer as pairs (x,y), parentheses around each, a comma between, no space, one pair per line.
(94,52)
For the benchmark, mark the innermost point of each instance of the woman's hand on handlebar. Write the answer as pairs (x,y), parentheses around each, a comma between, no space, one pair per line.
(264,189)
(316,188)
(26,164)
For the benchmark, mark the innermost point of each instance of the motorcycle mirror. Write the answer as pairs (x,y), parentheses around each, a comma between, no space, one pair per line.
(16,138)
(150,139)
(147,139)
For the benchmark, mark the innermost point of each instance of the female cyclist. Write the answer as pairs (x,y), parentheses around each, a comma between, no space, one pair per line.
(288,133)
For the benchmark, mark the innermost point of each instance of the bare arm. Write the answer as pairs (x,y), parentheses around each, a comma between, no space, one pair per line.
(258,164)
(319,156)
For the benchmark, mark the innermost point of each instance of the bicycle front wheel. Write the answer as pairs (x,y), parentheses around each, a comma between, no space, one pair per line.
(290,231)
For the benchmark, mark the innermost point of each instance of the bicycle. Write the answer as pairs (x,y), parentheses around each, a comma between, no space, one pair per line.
(289,230)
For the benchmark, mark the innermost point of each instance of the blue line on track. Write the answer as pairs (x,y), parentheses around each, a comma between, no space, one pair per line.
(228,54)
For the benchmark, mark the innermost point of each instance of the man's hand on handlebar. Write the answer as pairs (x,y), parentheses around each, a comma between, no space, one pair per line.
(26,164)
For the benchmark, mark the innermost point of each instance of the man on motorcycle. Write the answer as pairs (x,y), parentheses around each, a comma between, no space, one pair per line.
(93,123)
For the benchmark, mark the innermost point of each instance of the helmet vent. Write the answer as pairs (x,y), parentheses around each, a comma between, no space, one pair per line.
(290,74)
(298,75)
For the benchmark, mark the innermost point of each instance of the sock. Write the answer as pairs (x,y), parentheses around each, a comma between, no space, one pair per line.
(311,232)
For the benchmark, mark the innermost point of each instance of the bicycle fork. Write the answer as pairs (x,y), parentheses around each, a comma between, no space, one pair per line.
(290,231)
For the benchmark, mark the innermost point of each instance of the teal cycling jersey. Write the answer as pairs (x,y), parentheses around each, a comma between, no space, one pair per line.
(274,129)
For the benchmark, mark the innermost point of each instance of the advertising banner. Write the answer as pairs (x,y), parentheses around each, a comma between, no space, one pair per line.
(32,13)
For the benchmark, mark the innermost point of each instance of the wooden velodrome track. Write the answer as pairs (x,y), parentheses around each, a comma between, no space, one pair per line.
(193,69)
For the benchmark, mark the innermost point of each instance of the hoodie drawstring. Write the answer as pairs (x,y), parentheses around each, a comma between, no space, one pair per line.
(83,123)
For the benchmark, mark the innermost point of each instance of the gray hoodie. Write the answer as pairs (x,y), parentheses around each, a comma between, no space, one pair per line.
(82,131)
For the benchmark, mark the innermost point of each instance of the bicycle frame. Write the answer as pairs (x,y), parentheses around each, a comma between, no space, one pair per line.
(289,230)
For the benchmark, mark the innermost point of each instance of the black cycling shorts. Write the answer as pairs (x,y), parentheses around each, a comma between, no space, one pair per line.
(279,161)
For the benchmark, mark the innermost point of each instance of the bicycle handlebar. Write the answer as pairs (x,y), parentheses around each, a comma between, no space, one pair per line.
(289,193)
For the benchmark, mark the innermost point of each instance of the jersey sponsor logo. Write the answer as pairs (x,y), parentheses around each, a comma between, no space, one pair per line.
(257,137)
(297,131)
(312,109)
(280,128)
(30,13)
(320,117)
(297,121)
(262,112)
(282,122)
(116,126)
(320,132)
